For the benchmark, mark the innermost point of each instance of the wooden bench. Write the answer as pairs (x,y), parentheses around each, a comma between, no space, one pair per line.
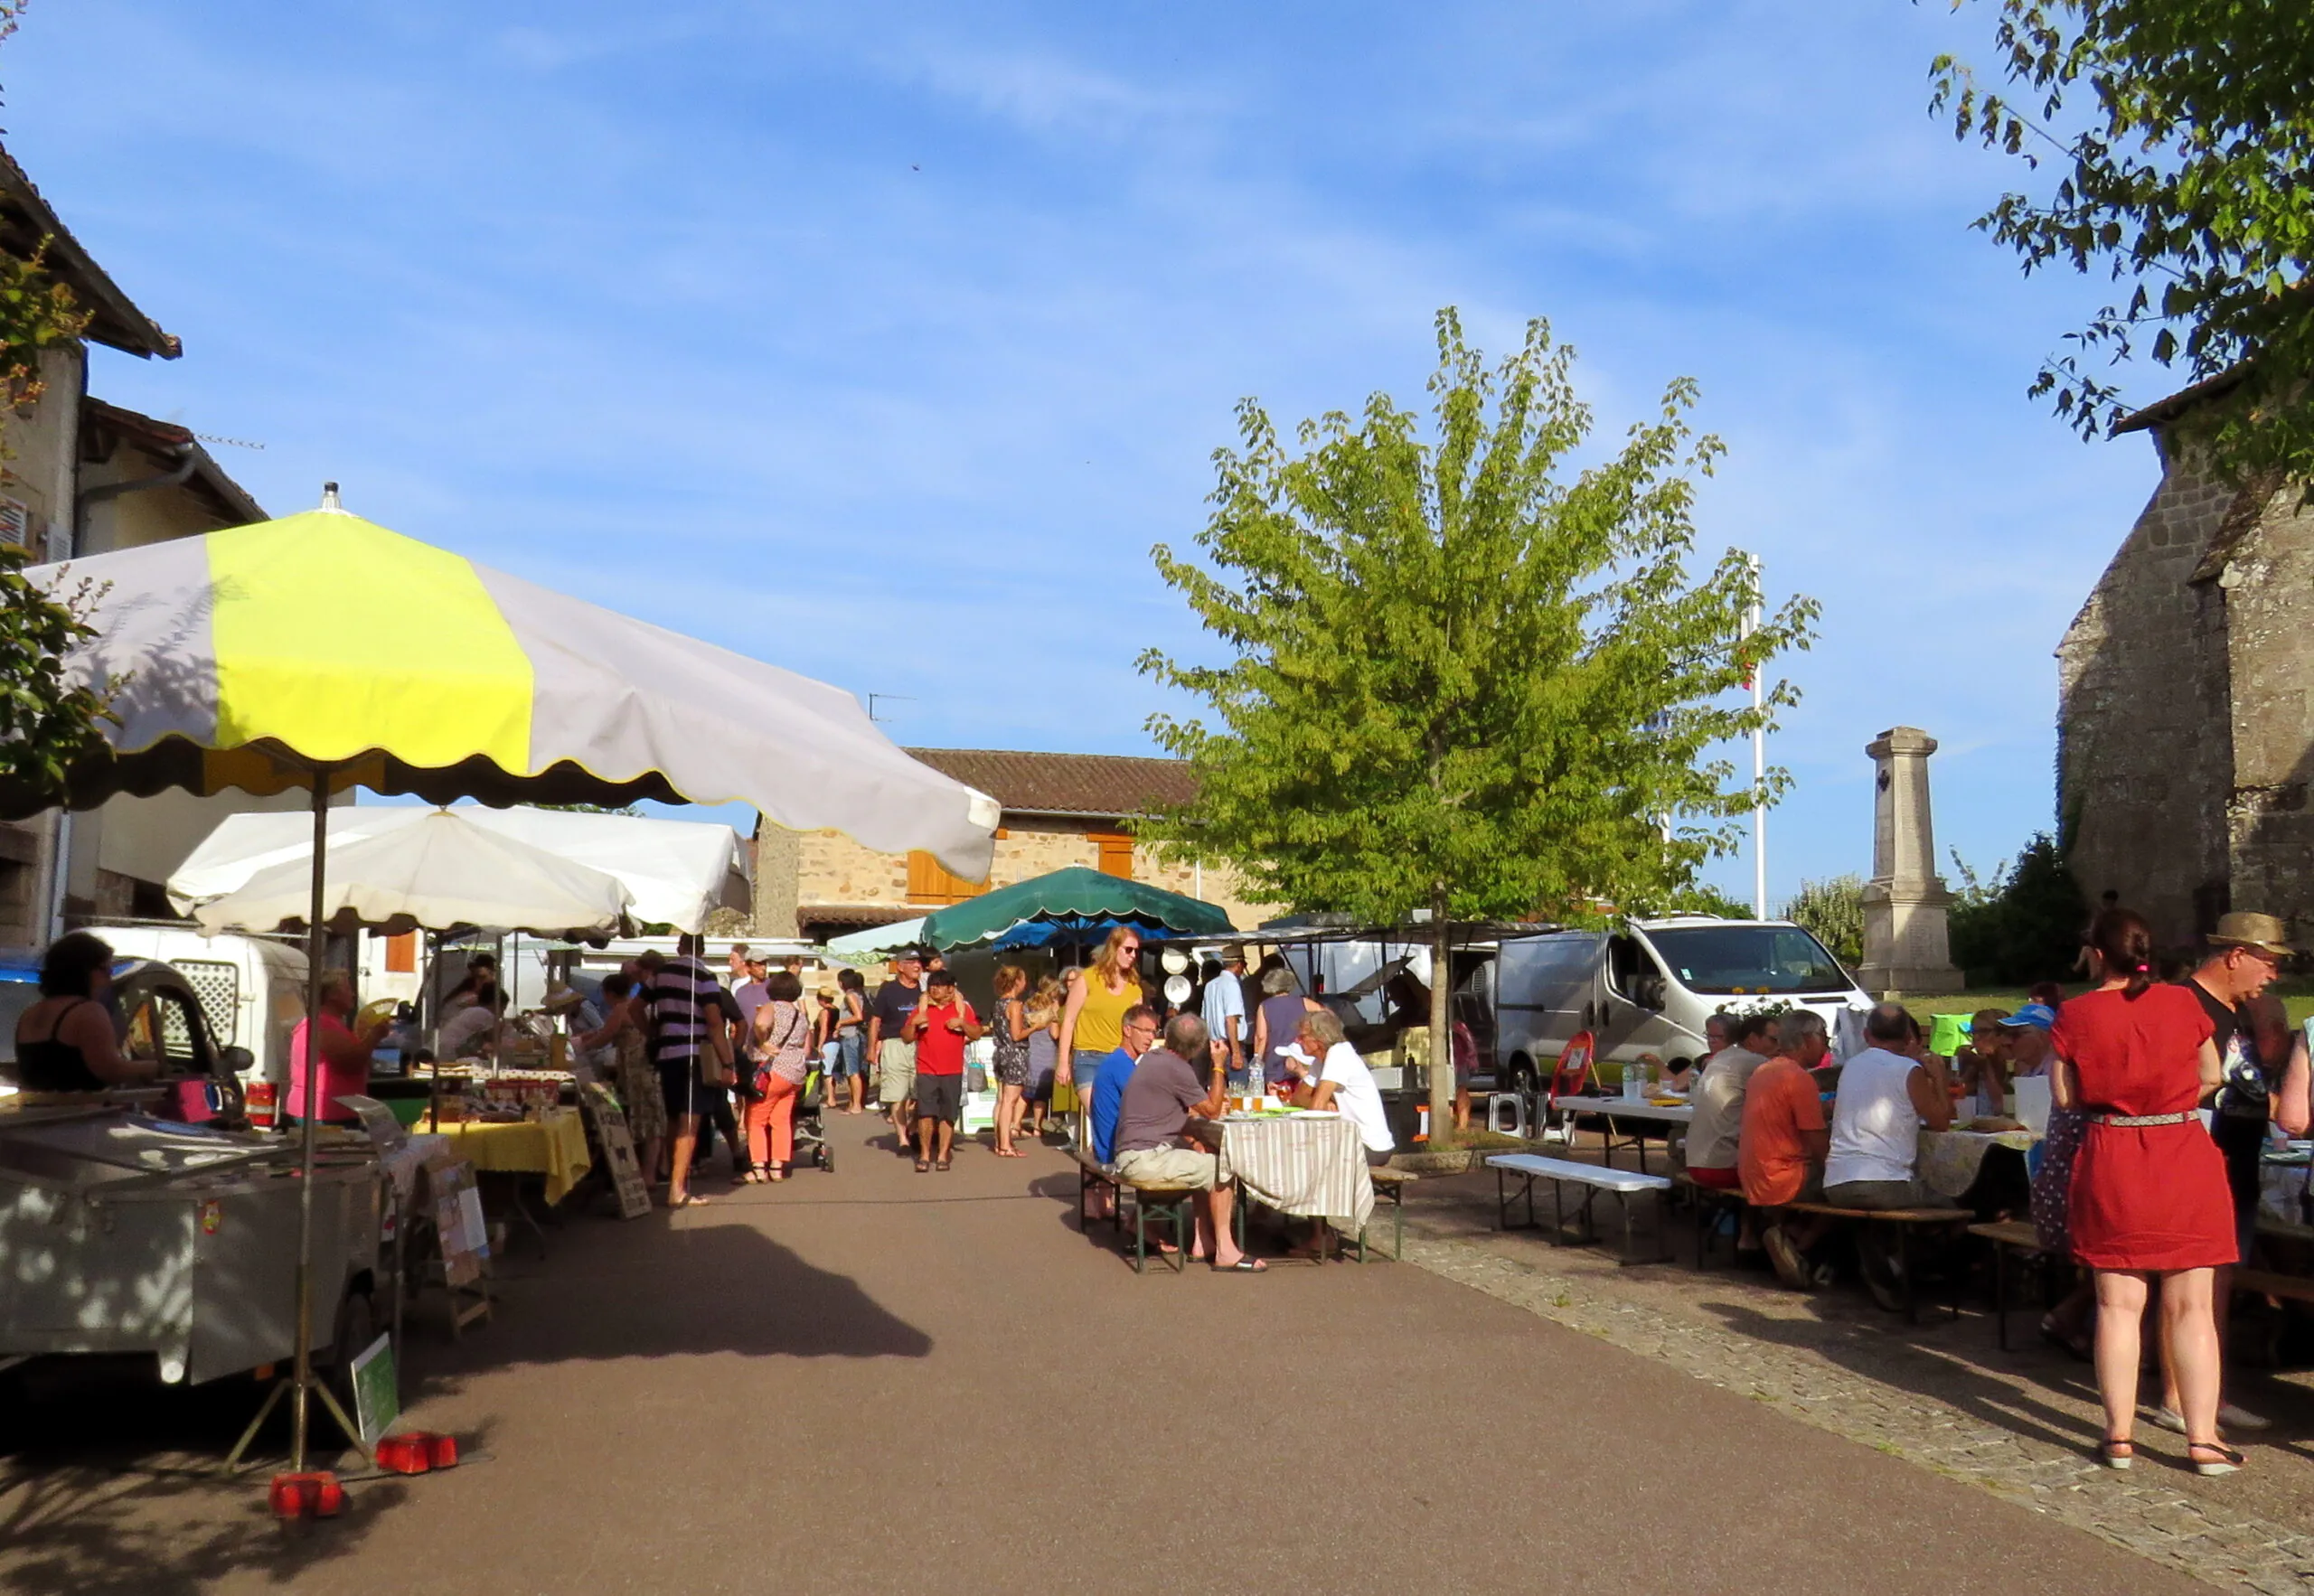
(1710,1202)
(1563,1172)
(1390,1186)
(1902,1222)
(1147,1197)
(2295,1287)
(2005,1234)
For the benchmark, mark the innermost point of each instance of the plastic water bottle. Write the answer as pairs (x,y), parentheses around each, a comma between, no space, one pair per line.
(1634,1081)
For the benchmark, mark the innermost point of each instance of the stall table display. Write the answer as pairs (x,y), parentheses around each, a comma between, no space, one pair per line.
(553,1145)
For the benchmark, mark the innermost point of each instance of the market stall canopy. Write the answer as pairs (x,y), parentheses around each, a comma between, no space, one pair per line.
(322,646)
(876,942)
(441,872)
(1071,904)
(675,871)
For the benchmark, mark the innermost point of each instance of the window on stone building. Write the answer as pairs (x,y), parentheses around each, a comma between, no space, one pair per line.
(1116,853)
(928,882)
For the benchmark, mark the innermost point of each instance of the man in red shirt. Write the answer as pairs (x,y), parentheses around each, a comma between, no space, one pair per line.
(1784,1141)
(940,1027)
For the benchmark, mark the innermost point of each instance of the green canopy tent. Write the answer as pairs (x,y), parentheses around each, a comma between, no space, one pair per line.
(1077,904)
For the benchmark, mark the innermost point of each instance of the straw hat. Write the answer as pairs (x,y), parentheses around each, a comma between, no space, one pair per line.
(2243,929)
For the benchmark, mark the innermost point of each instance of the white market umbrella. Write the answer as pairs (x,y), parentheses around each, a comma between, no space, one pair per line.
(872,945)
(679,872)
(440,871)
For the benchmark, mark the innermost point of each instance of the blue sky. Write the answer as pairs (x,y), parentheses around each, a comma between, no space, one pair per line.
(882,342)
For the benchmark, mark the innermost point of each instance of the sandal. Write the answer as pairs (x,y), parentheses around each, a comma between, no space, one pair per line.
(2226,1461)
(689,1200)
(942,1165)
(1244,1266)
(2116,1454)
(923,1168)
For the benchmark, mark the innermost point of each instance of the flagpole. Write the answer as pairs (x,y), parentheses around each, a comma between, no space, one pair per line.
(1751,619)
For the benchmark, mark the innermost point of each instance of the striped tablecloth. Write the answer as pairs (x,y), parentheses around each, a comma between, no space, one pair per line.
(554,1146)
(1309,1164)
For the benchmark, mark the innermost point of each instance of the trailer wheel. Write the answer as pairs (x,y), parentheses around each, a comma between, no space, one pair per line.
(356,1327)
(1521,1073)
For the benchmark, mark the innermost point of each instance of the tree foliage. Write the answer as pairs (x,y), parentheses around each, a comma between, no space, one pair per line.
(1463,674)
(1833,910)
(2183,132)
(43,722)
(2022,923)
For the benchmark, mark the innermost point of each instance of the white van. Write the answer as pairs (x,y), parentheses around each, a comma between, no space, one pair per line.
(1649,987)
(252,987)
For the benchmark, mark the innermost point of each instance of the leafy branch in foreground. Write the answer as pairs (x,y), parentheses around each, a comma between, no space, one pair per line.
(2183,134)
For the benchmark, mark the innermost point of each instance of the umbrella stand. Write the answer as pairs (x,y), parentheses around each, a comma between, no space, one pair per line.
(301,1384)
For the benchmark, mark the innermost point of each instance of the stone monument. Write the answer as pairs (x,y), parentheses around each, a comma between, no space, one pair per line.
(1905,950)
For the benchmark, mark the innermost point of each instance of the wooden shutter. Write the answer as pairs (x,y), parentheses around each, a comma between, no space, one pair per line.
(929,883)
(401,953)
(1116,853)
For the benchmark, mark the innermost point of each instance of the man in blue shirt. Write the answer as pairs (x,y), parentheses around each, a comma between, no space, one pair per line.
(1139,1025)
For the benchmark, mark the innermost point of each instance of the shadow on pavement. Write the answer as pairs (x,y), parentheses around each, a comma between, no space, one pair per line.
(709,1282)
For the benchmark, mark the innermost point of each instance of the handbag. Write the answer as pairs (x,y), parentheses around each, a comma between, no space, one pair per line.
(715,1058)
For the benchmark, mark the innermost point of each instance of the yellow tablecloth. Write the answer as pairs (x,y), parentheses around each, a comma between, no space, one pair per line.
(554,1147)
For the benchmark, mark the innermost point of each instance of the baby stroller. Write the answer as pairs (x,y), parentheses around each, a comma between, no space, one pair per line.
(811,1145)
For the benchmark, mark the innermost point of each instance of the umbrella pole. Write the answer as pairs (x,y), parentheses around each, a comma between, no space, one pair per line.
(315,948)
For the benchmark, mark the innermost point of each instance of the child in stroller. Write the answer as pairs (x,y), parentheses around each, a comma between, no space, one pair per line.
(810,1144)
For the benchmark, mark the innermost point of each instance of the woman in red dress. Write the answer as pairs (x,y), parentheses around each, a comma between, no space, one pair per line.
(2148,1185)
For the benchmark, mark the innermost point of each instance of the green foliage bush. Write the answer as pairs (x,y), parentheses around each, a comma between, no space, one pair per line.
(2024,923)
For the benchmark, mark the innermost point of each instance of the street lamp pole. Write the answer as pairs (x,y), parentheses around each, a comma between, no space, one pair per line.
(1752,618)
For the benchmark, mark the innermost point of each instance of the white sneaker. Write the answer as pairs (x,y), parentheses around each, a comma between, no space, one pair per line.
(2167,1418)
(2234,1418)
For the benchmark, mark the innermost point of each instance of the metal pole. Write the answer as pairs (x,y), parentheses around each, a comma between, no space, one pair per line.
(1759,753)
(315,949)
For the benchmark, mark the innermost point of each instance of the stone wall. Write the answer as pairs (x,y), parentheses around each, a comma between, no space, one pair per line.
(2268,584)
(801,869)
(2144,755)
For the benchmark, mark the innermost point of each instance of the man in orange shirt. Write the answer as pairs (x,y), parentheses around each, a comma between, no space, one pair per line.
(1783,1143)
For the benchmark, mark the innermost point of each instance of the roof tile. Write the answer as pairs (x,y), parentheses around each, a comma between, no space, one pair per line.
(1100,785)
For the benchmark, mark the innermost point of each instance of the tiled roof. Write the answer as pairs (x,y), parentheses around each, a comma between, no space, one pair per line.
(233,503)
(26,221)
(1103,785)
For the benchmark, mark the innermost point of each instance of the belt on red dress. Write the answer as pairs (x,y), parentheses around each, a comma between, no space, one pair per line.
(2134,1122)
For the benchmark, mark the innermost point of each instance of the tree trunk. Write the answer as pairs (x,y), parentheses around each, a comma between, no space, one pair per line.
(1442,1051)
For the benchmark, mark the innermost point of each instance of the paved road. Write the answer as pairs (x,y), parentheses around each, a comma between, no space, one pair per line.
(879,1381)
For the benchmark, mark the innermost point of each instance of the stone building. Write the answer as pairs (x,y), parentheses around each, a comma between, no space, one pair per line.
(2186,701)
(86,477)
(1060,810)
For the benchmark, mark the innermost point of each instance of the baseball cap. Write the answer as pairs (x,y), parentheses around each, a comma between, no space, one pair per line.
(2037,1017)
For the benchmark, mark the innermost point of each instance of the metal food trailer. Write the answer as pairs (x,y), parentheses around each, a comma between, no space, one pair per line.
(123,1234)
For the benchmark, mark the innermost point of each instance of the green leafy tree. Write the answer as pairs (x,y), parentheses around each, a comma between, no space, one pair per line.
(43,722)
(1833,910)
(1464,676)
(2021,924)
(2182,134)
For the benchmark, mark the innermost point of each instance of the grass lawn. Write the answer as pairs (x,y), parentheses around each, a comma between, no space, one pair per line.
(2297,994)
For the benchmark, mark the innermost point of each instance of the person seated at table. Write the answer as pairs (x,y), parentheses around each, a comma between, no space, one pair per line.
(1981,1065)
(1329,1074)
(1886,1096)
(1715,1132)
(1138,1028)
(1783,1144)
(1718,1031)
(2027,1034)
(1153,1136)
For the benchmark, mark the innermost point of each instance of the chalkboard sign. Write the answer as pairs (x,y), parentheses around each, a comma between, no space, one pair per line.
(457,1218)
(377,1393)
(596,1102)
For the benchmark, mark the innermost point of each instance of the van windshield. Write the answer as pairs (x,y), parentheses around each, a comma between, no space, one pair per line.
(1749,959)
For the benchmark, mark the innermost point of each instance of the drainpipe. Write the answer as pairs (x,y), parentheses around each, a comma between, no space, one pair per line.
(188,459)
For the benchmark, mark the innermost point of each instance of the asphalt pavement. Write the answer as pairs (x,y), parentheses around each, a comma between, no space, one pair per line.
(874,1380)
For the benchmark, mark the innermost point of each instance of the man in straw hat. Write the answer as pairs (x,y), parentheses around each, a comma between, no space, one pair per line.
(2252,1036)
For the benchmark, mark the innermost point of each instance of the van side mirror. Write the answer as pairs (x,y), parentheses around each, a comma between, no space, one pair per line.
(236,1060)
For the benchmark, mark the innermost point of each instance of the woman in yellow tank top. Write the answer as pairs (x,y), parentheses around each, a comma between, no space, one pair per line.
(1092,1027)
